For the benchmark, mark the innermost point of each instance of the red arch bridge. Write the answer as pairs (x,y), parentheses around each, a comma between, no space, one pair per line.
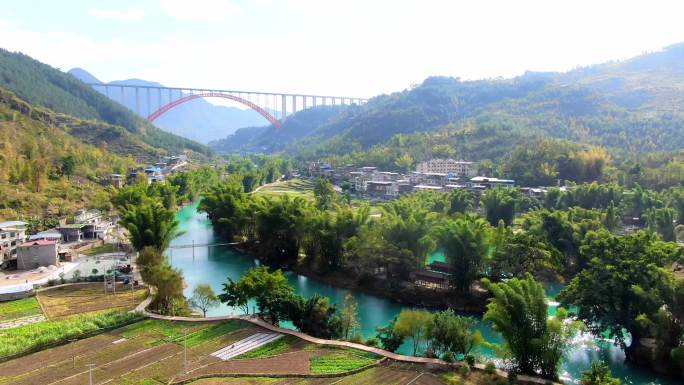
(151,101)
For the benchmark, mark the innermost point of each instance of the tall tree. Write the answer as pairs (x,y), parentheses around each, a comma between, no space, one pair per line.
(499,204)
(449,332)
(626,277)
(413,323)
(203,298)
(518,310)
(149,224)
(466,243)
(349,316)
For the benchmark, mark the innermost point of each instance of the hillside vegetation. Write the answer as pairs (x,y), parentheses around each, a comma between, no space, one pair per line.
(42,85)
(46,170)
(631,107)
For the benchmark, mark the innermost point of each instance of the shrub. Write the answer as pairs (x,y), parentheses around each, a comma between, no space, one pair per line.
(373,341)
(470,360)
(490,368)
(448,357)
(464,370)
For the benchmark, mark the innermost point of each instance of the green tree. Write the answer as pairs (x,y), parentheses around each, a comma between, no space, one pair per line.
(661,221)
(349,316)
(499,204)
(324,193)
(148,259)
(149,224)
(168,298)
(203,298)
(599,374)
(413,323)
(518,310)
(466,242)
(67,165)
(271,291)
(389,338)
(449,332)
(315,316)
(460,200)
(624,279)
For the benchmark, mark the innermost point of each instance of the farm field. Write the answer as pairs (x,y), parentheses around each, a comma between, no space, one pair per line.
(292,187)
(152,351)
(20,308)
(384,374)
(77,299)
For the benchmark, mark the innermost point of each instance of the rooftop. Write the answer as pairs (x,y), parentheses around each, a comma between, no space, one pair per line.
(40,242)
(481,179)
(12,224)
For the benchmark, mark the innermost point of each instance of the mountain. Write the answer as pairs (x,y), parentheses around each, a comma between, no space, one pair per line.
(46,169)
(198,119)
(41,85)
(633,106)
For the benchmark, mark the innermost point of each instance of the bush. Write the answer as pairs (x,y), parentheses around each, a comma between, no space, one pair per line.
(373,341)
(52,282)
(512,378)
(448,357)
(464,370)
(490,368)
(357,339)
(501,381)
(470,360)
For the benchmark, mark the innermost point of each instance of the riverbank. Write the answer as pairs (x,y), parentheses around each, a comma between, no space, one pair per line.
(402,292)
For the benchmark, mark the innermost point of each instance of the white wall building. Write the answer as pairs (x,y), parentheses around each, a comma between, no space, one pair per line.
(448,166)
(12,233)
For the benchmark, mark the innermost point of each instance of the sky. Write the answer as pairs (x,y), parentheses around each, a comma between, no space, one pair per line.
(356,48)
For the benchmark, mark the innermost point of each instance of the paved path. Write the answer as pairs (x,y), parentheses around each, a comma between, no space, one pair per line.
(142,308)
(22,321)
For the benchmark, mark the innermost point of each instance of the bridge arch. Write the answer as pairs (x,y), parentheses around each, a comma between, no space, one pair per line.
(272,119)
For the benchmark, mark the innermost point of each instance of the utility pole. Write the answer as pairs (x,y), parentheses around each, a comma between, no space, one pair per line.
(90,373)
(185,350)
(73,354)
(193,250)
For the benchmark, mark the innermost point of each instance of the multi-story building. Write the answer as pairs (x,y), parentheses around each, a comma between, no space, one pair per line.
(448,166)
(33,254)
(88,216)
(12,233)
(382,188)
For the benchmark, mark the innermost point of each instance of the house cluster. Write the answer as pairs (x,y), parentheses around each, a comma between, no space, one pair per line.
(45,248)
(432,175)
(153,173)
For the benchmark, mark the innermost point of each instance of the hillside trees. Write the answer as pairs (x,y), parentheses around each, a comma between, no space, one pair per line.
(466,241)
(625,277)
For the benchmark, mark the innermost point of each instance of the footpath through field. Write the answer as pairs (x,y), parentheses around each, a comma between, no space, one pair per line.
(430,362)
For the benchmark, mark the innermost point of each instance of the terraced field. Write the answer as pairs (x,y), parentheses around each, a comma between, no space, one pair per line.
(293,188)
(76,299)
(20,308)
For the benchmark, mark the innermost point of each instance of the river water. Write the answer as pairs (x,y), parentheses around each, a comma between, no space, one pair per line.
(213,265)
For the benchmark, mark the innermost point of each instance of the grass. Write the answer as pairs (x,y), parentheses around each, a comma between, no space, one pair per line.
(43,334)
(339,361)
(106,248)
(19,308)
(272,348)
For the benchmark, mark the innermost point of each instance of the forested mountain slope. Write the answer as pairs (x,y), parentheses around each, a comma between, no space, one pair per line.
(40,84)
(45,168)
(633,106)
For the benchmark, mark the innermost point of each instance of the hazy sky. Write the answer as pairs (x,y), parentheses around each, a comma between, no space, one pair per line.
(355,48)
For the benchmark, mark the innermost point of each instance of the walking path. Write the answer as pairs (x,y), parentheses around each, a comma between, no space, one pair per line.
(430,362)
(22,321)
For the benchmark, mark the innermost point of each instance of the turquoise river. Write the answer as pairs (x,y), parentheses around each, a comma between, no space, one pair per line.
(212,265)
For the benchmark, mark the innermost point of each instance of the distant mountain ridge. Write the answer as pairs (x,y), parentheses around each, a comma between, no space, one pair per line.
(635,105)
(198,120)
(42,85)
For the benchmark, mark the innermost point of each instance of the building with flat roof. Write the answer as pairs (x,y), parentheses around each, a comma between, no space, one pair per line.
(12,233)
(33,254)
(448,166)
(487,182)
